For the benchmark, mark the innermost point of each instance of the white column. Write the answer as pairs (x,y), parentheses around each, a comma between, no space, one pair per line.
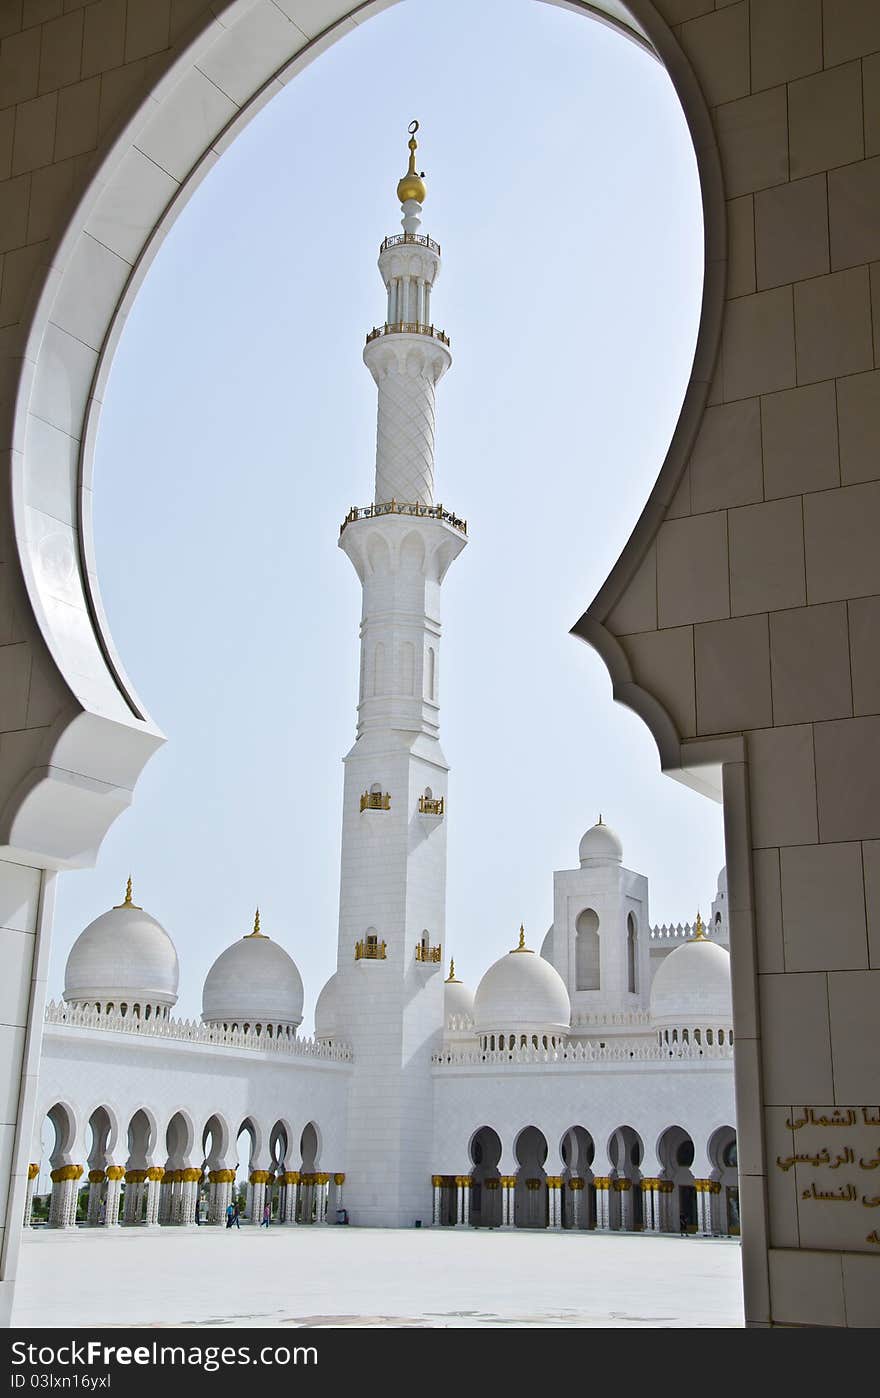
(624,1191)
(258,1181)
(33,1171)
(291,1185)
(554,1199)
(603,1213)
(508,1212)
(115,1175)
(151,1187)
(466,1200)
(96,1183)
(437,1183)
(338,1181)
(62,1205)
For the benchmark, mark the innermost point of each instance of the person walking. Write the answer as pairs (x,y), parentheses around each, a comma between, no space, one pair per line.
(230,1214)
(682,1226)
(236,1214)
(267,1215)
(199,1210)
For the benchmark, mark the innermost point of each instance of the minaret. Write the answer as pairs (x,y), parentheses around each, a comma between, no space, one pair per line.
(393,877)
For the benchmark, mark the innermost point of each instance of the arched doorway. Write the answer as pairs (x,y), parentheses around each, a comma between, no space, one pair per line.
(531,1195)
(578,1190)
(485,1200)
(679,1212)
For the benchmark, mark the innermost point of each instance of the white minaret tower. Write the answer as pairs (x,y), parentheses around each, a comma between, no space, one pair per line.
(393,878)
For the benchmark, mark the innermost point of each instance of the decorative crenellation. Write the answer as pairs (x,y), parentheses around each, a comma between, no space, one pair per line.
(623,1018)
(579,1053)
(679,932)
(193,1031)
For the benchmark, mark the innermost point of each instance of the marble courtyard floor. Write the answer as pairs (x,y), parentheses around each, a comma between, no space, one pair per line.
(295,1277)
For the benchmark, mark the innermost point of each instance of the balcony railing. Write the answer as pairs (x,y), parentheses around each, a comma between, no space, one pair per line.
(408,327)
(398,507)
(369,950)
(427,806)
(426,953)
(421,239)
(376,801)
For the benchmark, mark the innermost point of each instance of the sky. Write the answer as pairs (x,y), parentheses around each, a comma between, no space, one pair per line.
(239,427)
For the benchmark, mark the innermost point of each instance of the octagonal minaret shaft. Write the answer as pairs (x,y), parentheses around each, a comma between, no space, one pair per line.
(392,894)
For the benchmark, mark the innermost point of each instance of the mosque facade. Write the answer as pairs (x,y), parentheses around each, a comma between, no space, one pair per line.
(586,1084)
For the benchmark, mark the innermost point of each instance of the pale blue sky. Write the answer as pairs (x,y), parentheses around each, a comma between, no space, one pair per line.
(239,427)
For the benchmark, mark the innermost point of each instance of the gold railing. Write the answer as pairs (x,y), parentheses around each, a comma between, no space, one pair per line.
(403,507)
(408,327)
(427,806)
(426,953)
(394,240)
(376,801)
(370,950)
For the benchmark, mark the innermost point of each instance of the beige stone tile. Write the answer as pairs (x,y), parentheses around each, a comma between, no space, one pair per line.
(853,997)
(663,663)
(184,14)
(797,1043)
(766,557)
(871,864)
(791,232)
(740,246)
(34,133)
(15,678)
(675,11)
(147,27)
(874,277)
(806,1288)
(860,1290)
(38,11)
(637,608)
(809,662)
(858,411)
(782,785)
(853,204)
(692,580)
(840,542)
(10,18)
(825,120)
(51,189)
(60,51)
(77,119)
(7,131)
(833,326)
(103,37)
(757,349)
(768,910)
(871,99)
(864,628)
(19,268)
(850,28)
(848,778)
(680,504)
(19,67)
(799,434)
(726,461)
(13,212)
(753,139)
(823,908)
(733,675)
(717,45)
(786,40)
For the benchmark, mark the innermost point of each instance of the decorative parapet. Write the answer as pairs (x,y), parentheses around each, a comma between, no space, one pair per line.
(426,953)
(193,1032)
(399,507)
(369,950)
(675,932)
(634,1019)
(376,801)
(579,1054)
(428,806)
(408,327)
(396,239)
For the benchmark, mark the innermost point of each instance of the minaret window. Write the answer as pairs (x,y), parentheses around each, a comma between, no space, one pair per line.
(587,974)
(631,955)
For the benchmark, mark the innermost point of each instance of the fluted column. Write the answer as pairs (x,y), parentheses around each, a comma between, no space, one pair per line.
(258,1181)
(152,1186)
(62,1205)
(603,1208)
(554,1192)
(190,1180)
(705,1190)
(115,1175)
(93,1210)
(291,1181)
(33,1172)
(338,1181)
(508,1185)
(623,1188)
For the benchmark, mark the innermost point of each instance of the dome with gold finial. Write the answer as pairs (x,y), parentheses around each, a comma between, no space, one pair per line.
(412,185)
(254,984)
(522,999)
(458,1008)
(123,963)
(692,984)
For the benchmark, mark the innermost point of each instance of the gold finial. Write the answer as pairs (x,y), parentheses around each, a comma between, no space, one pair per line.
(699,929)
(412,186)
(256,932)
(600,821)
(522,940)
(452,978)
(126,902)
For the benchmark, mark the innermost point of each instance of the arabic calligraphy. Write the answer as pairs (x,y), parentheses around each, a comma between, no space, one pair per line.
(870,1117)
(845,1157)
(846,1194)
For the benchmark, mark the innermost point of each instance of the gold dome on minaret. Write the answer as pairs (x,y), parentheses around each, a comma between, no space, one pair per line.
(412,186)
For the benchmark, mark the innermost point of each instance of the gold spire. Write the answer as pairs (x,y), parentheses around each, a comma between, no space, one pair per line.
(600,821)
(126,902)
(699,930)
(412,186)
(522,941)
(452,978)
(256,932)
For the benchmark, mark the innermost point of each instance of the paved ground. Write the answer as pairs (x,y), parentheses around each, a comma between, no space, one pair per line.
(373,1277)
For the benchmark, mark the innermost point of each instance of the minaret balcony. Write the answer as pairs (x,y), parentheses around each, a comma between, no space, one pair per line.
(427,953)
(430,807)
(400,507)
(376,801)
(371,949)
(396,240)
(408,327)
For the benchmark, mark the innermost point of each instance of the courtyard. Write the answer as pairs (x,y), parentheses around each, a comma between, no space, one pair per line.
(331,1276)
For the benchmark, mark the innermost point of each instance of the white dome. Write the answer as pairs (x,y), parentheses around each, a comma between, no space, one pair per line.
(721,887)
(124,957)
(692,985)
(547,945)
(327,1010)
(458,1004)
(522,991)
(254,981)
(600,845)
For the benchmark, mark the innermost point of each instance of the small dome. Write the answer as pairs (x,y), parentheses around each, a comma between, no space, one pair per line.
(458,1002)
(522,992)
(692,985)
(721,887)
(124,957)
(327,1010)
(600,845)
(253,982)
(547,945)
